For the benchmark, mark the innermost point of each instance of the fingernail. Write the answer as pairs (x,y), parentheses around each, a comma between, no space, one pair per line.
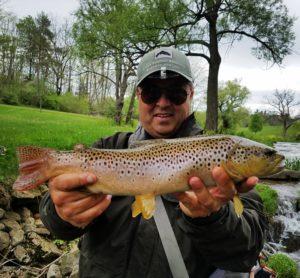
(108,197)
(90,179)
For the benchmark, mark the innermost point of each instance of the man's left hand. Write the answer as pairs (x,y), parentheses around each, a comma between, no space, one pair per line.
(201,201)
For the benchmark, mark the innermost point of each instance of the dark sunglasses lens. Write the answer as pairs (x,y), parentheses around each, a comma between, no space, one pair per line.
(177,96)
(150,95)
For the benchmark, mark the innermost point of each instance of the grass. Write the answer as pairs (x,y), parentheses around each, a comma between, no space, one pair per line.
(269,197)
(30,126)
(283,265)
(293,164)
(270,134)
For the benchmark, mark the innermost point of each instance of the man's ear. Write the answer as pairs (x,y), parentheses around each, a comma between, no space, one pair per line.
(138,91)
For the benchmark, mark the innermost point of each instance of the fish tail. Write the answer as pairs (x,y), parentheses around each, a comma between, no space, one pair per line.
(33,163)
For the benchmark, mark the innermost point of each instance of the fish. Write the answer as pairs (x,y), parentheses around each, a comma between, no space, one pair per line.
(151,167)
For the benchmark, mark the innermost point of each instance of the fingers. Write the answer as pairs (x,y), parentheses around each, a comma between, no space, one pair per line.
(198,202)
(202,201)
(68,182)
(249,184)
(81,213)
(74,206)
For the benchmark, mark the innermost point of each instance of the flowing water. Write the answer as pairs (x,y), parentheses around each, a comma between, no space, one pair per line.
(290,150)
(285,231)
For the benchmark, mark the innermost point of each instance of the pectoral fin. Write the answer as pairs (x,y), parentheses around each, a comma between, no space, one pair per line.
(144,204)
(238,205)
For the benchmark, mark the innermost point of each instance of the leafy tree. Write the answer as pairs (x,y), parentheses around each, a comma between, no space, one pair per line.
(201,26)
(26,29)
(231,98)
(283,101)
(34,37)
(256,122)
(102,30)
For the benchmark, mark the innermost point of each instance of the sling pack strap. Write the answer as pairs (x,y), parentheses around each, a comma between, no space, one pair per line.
(169,241)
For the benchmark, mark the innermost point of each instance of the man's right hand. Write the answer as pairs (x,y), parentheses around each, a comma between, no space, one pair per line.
(77,208)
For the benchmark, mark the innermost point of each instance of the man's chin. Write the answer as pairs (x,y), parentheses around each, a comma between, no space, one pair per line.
(164,132)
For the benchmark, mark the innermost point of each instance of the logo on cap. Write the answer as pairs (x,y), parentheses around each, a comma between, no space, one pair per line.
(163,54)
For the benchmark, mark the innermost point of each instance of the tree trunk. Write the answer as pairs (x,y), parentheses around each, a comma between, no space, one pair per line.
(214,65)
(130,108)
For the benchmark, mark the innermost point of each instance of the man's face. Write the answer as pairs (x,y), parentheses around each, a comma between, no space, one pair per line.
(162,118)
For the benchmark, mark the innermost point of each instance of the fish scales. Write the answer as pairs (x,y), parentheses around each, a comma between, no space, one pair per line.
(153,167)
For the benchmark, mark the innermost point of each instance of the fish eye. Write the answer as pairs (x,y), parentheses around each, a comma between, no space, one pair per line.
(270,152)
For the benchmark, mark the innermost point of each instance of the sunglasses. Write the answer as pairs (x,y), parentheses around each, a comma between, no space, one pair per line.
(150,94)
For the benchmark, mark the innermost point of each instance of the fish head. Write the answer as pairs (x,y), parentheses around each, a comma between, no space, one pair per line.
(248,158)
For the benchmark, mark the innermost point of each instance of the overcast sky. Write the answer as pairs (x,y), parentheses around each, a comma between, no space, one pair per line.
(237,61)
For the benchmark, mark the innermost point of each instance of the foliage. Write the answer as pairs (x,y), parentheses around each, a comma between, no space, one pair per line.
(115,34)
(270,134)
(9,94)
(200,118)
(67,103)
(256,122)
(106,107)
(293,164)
(269,197)
(46,128)
(231,97)
(283,265)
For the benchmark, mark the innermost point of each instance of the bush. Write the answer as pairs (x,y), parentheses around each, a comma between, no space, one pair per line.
(9,94)
(269,197)
(283,265)
(256,122)
(67,103)
(106,108)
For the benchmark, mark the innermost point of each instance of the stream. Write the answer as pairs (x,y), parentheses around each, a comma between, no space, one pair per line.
(284,232)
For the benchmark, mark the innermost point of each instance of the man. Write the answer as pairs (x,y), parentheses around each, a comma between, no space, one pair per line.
(209,233)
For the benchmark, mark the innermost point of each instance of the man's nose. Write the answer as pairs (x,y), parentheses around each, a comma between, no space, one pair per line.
(163,100)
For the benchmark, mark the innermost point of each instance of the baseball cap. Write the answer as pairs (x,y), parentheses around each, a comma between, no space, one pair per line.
(163,63)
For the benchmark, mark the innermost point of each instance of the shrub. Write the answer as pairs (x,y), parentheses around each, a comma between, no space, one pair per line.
(67,103)
(256,122)
(106,108)
(9,94)
(283,265)
(269,197)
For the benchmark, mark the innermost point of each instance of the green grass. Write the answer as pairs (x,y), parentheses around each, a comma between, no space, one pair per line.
(293,164)
(269,197)
(283,265)
(30,126)
(270,134)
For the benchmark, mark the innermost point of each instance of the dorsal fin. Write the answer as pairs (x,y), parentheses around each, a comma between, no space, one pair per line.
(143,143)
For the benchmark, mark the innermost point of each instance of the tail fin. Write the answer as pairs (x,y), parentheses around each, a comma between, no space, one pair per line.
(33,163)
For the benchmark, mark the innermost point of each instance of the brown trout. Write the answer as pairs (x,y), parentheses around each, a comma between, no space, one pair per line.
(152,167)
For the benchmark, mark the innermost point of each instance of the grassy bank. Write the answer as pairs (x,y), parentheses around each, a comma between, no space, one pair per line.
(29,126)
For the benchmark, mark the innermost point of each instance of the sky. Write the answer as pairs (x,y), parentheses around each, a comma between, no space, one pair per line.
(260,78)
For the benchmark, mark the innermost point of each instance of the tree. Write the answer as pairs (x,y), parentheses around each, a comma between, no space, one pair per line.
(256,122)
(61,56)
(283,101)
(102,30)
(201,26)
(231,98)
(8,47)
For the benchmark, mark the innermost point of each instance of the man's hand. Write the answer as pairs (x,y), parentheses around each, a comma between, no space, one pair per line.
(202,201)
(77,208)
